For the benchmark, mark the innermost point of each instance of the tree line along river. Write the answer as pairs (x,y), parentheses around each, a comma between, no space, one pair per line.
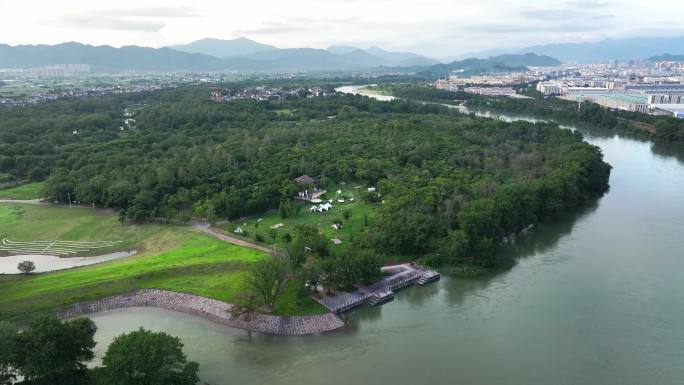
(596,298)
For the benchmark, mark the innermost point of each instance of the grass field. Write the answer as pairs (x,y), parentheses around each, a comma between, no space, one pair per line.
(20,222)
(362,213)
(24,191)
(175,258)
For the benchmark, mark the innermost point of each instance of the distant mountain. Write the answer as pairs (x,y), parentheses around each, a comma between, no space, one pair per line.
(401,59)
(313,59)
(110,60)
(526,60)
(107,59)
(666,57)
(494,64)
(611,49)
(223,48)
(341,49)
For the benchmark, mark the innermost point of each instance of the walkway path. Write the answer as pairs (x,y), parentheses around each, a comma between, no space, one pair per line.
(205,228)
(24,201)
(211,309)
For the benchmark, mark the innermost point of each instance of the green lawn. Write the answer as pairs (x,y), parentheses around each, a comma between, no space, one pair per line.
(175,258)
(24,191)
(21,222)
(360,213)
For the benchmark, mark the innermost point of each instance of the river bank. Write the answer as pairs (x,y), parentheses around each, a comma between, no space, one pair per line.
(211,309)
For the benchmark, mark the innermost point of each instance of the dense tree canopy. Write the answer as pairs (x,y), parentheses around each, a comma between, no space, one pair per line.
(590,114)
(144,357)
(54,352)
(450,183)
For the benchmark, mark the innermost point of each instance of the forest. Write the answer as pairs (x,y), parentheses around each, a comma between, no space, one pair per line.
(452,186)
(592,115)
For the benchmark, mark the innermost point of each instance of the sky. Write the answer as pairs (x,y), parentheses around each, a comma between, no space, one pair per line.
(437,28)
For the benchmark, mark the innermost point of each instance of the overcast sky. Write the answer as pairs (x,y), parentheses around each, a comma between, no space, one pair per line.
(432,27)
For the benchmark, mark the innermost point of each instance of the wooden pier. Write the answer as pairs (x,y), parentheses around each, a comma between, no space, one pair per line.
(382,291)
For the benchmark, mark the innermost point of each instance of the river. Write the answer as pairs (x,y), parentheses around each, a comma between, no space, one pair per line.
(596,297)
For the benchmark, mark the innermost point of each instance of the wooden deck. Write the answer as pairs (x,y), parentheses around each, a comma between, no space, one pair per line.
(380,292)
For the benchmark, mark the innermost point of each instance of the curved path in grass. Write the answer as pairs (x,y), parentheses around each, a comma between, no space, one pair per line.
(211,309)
(230,239)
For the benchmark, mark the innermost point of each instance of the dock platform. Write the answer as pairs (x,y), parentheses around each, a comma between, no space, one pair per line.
(403,275)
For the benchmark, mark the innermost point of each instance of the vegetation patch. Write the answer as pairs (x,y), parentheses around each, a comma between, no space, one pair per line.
(174,258)
(23,191)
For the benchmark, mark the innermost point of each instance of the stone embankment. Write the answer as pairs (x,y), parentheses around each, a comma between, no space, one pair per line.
(211,309)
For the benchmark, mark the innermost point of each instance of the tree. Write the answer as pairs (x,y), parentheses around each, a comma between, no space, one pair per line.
(296,254)
(54,352)
(26,267)
(368,266)
(144,357)
(122,216)
(8,334)
(268,278)
(331,277)
(287,238)
(245,306)
(286,208)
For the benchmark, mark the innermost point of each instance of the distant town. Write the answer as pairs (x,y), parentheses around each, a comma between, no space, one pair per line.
(648,87)
(219,94)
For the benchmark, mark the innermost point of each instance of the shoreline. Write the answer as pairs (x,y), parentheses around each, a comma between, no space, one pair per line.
(210,309)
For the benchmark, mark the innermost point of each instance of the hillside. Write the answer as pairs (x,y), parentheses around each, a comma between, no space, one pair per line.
(494,64)
(666,57)
(611,49)
(223,48)
(106,58)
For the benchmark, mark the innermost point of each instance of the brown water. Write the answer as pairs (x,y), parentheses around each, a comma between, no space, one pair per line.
(596,298)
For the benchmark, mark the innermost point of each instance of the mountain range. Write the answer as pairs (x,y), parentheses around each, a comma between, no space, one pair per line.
(634,48)
(242,54)
(106,58)
(249,49)
(223,48)
(500,63)
(666,57)
(209,55)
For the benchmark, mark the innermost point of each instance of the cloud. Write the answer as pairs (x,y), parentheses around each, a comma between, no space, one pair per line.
(158,12)
(271,27)
(584,4)
(116,23)
(145,19)
(552,14)
(296,24)
(528,28)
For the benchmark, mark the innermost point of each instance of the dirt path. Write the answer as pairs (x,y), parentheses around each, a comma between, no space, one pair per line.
(24,201)
(205,228)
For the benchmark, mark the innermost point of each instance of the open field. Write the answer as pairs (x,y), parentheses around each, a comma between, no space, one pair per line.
(24,191)
(176,258)
(362,213)
(31,223)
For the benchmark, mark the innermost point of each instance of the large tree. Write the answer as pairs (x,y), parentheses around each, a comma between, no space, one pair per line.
(268,278)
(8,334)
(54,352)
(144,357)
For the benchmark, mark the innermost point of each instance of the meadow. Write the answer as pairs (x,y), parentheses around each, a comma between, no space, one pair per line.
(360,215)
(23,191)
(171,257)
